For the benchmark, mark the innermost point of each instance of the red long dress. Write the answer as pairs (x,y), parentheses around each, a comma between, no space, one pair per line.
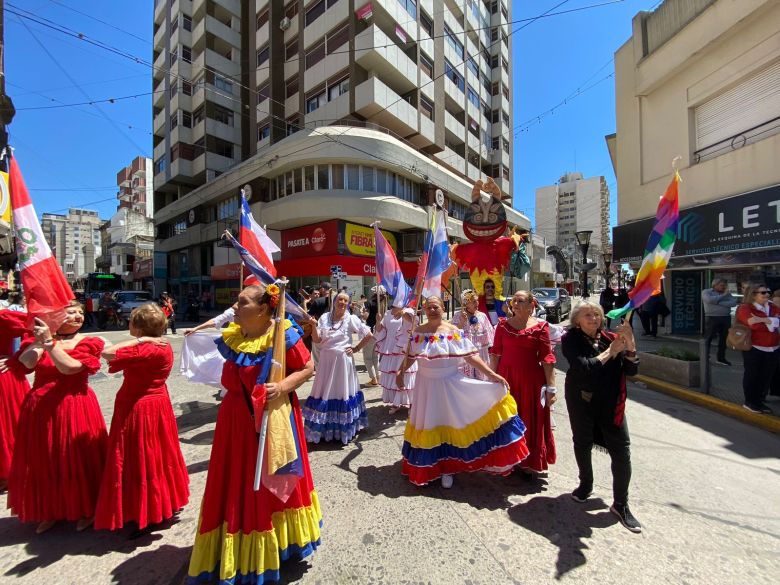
(522,354)
(13,385)
(60,442)
(145,478)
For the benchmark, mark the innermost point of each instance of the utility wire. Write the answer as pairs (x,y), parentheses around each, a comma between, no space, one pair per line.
(108,24)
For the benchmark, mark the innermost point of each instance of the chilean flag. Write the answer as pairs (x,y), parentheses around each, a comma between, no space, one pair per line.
(45,288)
(389,271)
(435,259)
(255,240)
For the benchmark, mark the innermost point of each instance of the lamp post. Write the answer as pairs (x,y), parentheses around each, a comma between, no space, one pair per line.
(583,239)
(607,257)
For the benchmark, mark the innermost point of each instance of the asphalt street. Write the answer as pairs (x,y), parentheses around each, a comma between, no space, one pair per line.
(704,486)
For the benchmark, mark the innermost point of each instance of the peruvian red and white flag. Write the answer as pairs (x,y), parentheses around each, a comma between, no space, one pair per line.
(45,288)
(255,240)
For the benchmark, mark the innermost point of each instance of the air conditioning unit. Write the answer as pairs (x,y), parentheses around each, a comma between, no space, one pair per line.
(285,23)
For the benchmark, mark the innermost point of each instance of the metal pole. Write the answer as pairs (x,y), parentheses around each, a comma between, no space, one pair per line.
(704,366)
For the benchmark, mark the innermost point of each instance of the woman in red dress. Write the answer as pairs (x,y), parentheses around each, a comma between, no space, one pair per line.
(13,387)
(61,436)
(145,479)
(243,535)
(521,353)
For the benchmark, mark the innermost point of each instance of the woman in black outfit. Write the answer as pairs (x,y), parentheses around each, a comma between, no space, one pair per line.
(599,361)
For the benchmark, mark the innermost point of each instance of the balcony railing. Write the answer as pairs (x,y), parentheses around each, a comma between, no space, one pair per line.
(739,140)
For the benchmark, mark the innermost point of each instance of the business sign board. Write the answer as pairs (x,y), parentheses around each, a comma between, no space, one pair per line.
(750,221)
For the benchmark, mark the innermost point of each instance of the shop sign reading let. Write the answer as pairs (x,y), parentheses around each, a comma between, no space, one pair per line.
(750,216)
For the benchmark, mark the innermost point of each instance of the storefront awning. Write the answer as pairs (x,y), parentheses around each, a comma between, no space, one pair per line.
(321,265)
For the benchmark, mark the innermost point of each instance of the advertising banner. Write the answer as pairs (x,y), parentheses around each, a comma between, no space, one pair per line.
(686,301)
(359,239)
(319,239)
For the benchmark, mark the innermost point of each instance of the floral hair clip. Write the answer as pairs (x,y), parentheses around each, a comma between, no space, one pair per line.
(273,295)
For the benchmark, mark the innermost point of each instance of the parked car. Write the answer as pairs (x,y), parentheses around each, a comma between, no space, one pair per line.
(127,300)
(555,301)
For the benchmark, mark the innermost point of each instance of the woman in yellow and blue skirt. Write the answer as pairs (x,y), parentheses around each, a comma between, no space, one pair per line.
(244,535)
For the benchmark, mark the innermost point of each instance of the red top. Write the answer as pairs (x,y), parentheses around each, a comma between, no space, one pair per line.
(146,367)
(87,351)
(13,324)
(534,341)
(759,333)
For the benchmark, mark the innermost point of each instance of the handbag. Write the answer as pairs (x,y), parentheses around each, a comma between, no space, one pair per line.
(739,337)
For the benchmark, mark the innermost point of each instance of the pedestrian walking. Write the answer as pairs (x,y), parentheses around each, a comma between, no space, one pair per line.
(392,334)
(243,535)
(523,355)
(145,478)
(13,386)
(762,360)
(336,409)
(168,305)
(599,361)
(456,424)
(717,302)
(61,436)
(477,328)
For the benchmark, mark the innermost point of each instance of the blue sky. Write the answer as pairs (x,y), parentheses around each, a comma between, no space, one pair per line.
(70,155)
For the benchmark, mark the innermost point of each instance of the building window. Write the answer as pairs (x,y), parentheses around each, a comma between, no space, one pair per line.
(262,18)
(426,22)
(486,111)
(505,64)
(174,119)
(337,38)
(315,54)
(308,178)
(222,147)
(262,56)
(353,177)
(174,25)
(173,57)
(410,6)
(293,125)
(323,177)
(454,76)
(473,97)
(495,88)
(505,90)
(178,228)
(174,88)
(197,115)
(426,64)
(291,10)
(505,172)
(337,174)
(263,131)
(473,127)
(505,144)
(228,208)
(471,65)
(186,119)
(337,88)
(494,61)
(314,12)
(426,107)
(485,82)
(368,179)
(315,99)
(263,92)
(186,54)
(223,84)
(186,22)
(222,115)
(505,39)
(453,41)
(291,86)
(494,34)
(494,144)
(291,48)
(186,88)
(505,117)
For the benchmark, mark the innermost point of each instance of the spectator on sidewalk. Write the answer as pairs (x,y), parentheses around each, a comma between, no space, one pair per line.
(654,307)
(717,302)
(763,358)
(610,299)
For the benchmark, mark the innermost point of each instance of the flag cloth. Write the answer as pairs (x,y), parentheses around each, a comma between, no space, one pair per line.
(45,288)
(658,250)
(265,278)
(255,240)
(388,270)
(435,258)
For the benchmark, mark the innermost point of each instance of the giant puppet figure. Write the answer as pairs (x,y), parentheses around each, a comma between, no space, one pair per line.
(487,257)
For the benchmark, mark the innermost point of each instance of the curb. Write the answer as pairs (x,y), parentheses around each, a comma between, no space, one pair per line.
(767,422)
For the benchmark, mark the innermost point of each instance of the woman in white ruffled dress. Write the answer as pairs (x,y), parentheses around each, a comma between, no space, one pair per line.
(456,423)
(392,334)
(477,328)
(336,408)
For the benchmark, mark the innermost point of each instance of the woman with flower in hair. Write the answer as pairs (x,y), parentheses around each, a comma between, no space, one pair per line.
(456,423)
(336,409)
(145,480)
(243,535)
(477,328)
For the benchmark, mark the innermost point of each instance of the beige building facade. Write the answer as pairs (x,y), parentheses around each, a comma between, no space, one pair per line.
(700,79)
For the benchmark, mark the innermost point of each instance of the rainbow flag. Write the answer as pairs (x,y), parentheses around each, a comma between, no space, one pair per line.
(658,250)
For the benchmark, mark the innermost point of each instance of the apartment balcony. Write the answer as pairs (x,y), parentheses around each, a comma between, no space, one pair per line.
(427,135)
(159,11)
(378,103)
(455,7)
(472,141)
(334,110)
(375,51)
(457,129)
(158,127)
(160,96)
(473,172)
(198,8)
(390,14)
(263,34)
(222,31)
(473,111)
(181,170)
(160,63)
(336,12)
(453,159)
(159,38)
(455,95)
(232,6)
(427,86)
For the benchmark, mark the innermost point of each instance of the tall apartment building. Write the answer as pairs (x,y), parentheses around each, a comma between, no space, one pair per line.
(571,205)
(329,110)
(71,238)
(136,187)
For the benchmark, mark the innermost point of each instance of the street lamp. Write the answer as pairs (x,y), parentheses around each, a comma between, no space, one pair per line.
(583,239)
(607,256)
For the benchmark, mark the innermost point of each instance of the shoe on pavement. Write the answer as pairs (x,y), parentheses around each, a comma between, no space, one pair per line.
(447,480)
(581,494)
(765,409)
(752,408)
(626,517)
(723,362)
